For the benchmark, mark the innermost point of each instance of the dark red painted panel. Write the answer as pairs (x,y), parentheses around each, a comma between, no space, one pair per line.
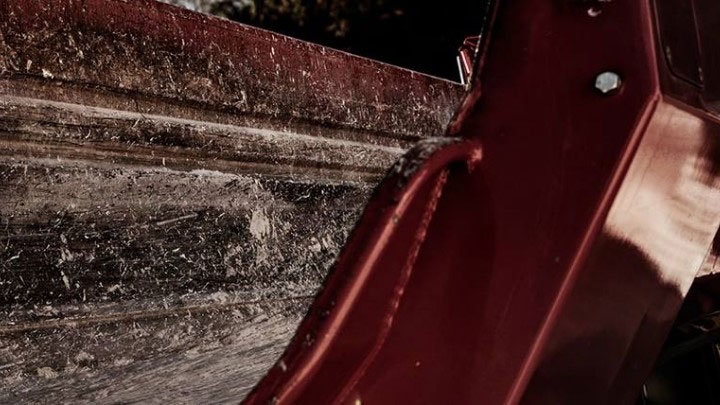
(559,262)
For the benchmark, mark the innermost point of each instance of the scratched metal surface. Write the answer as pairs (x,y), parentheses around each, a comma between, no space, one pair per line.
(173,189)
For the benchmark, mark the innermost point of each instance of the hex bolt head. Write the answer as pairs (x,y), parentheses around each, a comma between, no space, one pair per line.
(608,82)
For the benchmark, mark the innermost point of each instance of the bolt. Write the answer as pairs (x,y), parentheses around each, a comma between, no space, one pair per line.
(608,82)
(594,11)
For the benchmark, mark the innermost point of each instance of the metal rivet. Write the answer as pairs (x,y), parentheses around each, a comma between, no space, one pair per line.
(608,82)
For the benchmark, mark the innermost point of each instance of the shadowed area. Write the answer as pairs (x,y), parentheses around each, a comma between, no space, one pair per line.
(418,35)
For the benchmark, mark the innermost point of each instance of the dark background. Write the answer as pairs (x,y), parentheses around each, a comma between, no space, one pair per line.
(418,35)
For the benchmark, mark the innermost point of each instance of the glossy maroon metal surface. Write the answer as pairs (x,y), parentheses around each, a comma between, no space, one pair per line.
(551,273)
(657,233)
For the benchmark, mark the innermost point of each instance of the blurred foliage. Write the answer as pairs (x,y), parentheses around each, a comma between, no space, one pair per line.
(332,17)
(420,35)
